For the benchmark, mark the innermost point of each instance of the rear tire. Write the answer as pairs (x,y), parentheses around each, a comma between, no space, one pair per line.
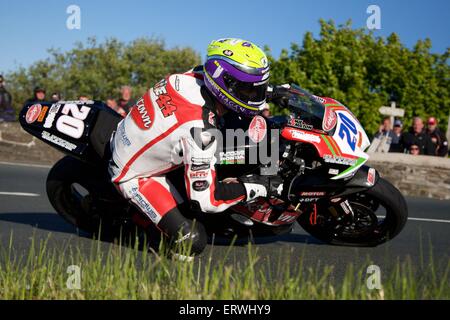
(388,197)
(60,191)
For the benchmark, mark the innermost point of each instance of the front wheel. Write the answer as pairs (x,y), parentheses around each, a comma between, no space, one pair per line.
(378,215)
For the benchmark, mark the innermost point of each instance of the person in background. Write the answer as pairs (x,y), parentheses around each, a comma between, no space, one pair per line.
(112,103)
(55,97)
(126,102)
(397,134)
(437,137)
(414,150)
(6,109)
(385,128)
(39,96)
(83,98)
(417,136)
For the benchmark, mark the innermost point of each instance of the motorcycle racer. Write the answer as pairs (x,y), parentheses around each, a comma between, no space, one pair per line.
(168,128)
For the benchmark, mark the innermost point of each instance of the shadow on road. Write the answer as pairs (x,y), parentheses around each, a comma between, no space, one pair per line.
(41,220)
(54,223)
(290,237)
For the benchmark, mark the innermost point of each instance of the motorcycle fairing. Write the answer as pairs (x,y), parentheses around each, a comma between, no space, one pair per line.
(342,140)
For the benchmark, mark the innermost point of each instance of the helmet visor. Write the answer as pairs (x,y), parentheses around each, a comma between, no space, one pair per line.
(252,93)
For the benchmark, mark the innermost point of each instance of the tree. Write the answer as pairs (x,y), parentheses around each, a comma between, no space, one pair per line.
(362,71)
(98,70)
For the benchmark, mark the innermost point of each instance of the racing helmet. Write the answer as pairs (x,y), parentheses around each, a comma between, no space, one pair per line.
(237,74)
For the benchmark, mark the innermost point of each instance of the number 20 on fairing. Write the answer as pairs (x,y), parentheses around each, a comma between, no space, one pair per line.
(348,131)
(73,126)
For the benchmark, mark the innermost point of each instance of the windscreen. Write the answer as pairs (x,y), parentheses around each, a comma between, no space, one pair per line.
(307,111)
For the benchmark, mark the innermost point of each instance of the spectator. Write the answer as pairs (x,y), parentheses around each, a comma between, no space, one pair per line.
(6,109)
(414,150)
(417,136)
(55,97)
(39,96)
(112,103)
(126,102)
(397,134)
(383,138)
(438,138)
(83,98)
(385,129)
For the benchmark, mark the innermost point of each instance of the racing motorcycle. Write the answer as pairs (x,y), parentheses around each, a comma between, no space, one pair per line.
(327,188)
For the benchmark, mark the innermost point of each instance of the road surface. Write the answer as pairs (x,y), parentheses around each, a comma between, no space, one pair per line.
(25,211)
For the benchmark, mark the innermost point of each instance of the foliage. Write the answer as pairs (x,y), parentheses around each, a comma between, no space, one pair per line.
(109,271)
(351,65)
(363,72)
(98,70)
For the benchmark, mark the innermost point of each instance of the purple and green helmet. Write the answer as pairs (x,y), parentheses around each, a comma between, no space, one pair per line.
(237,74)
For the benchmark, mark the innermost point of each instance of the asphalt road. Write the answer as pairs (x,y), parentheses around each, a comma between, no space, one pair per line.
(25,212)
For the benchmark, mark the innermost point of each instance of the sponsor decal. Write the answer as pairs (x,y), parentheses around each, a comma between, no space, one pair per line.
(257,129)
(177,83)
(333,171)
(58,141)
(312,193)
(198,164)
(339,160)
(228,53)
(142,113)
(329,119)
(308,199)
(144,205)
(199,174)
(76,102)
(319,99)
(298,123)
(42,114)
(122,134)
(232,157)
(201,185)
(33,113)
(51,115)
(303,136)
(247,44)
(212,119)
(201,166)
(371,176)
(218,71)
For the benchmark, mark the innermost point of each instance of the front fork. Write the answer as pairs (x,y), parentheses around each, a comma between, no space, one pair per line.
(340,209)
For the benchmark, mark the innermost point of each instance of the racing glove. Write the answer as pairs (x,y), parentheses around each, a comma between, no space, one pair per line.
(261,186)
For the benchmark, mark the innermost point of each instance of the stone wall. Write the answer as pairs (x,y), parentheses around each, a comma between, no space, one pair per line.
(421,176)
(18,146)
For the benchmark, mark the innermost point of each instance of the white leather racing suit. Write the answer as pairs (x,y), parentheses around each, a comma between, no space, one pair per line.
(157,136)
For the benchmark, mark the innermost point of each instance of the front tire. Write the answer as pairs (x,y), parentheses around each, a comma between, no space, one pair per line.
(383,195)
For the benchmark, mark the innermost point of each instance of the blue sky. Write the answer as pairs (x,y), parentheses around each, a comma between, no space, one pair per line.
(29,28)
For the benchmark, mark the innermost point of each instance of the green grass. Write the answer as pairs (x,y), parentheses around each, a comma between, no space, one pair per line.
(110,271)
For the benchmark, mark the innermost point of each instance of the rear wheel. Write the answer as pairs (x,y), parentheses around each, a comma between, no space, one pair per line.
(84,197)
(379,214)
